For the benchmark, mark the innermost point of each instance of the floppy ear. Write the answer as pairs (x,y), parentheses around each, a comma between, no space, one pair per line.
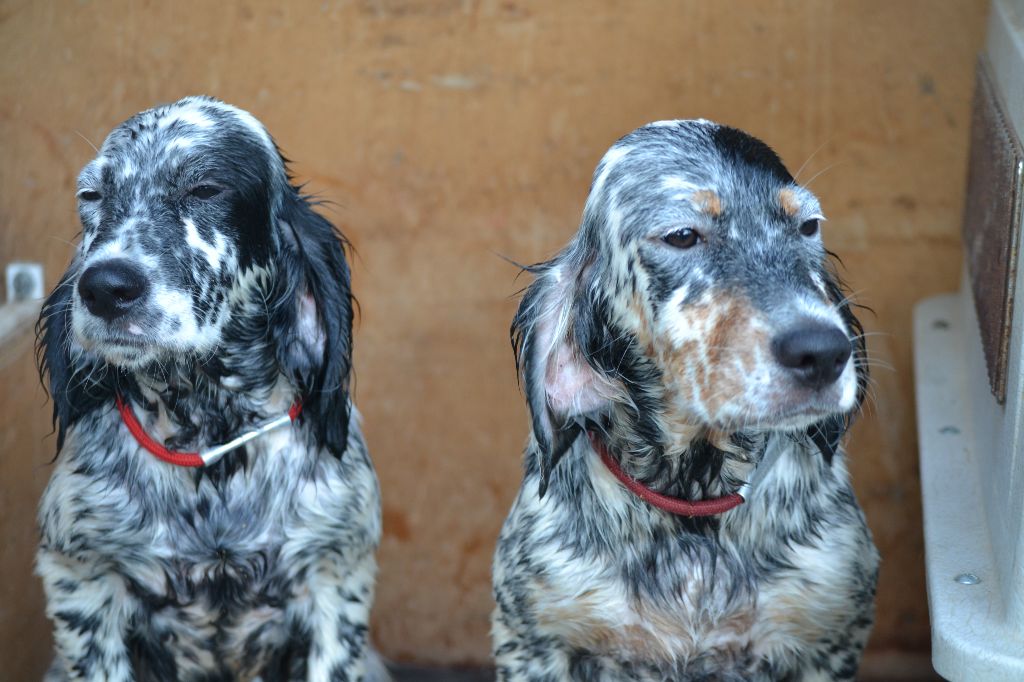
(75,389)
(312,322)
(562,386)
(827,433)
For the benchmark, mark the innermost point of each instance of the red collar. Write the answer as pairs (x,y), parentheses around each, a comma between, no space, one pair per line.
(673,505)
(206,457)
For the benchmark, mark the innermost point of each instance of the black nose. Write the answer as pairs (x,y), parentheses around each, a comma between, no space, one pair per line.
(816,353)
(109,289)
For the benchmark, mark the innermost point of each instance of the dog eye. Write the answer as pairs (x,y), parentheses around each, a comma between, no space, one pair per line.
(685,238)
(204,192)
(89,195)
(809,228)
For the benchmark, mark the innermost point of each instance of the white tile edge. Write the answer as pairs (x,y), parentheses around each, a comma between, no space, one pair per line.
(971,640)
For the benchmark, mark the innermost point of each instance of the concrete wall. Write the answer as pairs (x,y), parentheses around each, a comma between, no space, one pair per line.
(449,132)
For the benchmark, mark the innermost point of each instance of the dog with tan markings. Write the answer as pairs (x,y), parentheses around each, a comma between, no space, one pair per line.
(691,363)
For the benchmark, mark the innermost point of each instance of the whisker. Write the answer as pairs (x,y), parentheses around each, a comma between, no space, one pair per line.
(796,176)
(822,171)
(70,243)
(87,141)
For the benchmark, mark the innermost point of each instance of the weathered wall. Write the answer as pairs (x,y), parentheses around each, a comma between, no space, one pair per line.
(449,132)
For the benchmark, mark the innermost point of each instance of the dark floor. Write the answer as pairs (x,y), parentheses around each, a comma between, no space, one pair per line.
(410,674)
(894,671)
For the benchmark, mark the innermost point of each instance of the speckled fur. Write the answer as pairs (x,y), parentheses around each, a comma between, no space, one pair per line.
(261,566)
(665,352)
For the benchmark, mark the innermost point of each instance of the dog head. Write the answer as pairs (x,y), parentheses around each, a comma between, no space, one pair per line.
(197,253)
(697,294)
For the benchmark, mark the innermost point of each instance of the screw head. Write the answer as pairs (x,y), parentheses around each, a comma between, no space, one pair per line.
(24,281)
(23,285)
(967,579)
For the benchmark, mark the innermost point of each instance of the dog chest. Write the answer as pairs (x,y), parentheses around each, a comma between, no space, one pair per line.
(715,615)
(230,585)
(166,533)
(591,609)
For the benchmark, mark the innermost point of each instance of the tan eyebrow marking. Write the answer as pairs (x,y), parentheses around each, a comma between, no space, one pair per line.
(789,202)
(708,202)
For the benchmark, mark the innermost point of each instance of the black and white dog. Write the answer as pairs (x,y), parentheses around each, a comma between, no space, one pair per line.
(207,304)
(690,364)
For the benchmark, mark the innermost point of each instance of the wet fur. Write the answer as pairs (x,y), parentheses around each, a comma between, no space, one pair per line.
(258,567)
(664,353)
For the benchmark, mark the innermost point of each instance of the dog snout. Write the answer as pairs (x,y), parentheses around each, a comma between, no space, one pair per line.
(815,353)
(109,289)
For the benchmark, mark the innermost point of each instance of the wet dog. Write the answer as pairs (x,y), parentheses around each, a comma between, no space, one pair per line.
(207,304)
(690,363)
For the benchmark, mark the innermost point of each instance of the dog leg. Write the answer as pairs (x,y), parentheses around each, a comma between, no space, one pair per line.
(337,619)
(88,607)
(519,659)
(841,663)
(55,673)
(837,662)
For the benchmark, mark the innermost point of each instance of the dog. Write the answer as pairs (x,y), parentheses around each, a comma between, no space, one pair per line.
(213,513)
(690,364)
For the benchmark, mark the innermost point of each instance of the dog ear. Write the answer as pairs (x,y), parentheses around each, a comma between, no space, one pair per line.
(562,386)
(74,390)
(312,322)
(827,433)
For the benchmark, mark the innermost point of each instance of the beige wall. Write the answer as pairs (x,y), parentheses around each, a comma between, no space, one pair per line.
(448,132)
